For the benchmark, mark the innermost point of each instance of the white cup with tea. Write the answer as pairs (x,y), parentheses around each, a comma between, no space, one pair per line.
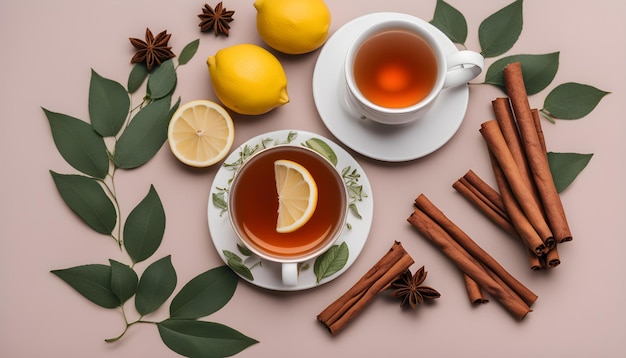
(253,209)
(396,68)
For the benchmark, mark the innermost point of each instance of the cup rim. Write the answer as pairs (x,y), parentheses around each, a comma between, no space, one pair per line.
(337,232)
(389,24)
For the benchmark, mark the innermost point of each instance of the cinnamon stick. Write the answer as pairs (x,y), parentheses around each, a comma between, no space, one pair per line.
(551,259)
(440,238)
(508,127)
(520,221)
(534,261)
(537,122)
(484,197)
(490,131)
(535,154)
(459,236)
(341,312)
(474,293)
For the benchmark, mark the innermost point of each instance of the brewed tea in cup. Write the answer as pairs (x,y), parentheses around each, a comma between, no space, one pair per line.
(253,208)
(395,69)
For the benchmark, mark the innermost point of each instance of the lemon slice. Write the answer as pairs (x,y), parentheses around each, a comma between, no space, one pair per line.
(200,133)
(297,195)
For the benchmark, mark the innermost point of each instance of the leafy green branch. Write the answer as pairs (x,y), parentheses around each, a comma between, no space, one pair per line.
(497,34)
(119,136)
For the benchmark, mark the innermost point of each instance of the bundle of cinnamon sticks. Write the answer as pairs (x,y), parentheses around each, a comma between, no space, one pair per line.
(480,269)
(344,309)
(528,205)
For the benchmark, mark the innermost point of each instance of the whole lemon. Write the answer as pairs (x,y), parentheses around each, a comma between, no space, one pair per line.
(248,79)
(293,26)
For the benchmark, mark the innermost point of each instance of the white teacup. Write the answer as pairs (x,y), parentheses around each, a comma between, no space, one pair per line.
(396,68)
(253,202)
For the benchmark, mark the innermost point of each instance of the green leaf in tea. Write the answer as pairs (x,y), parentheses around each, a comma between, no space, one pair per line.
(572,100)
(162,80)
(123,280)
(93,282)
(79,144)
(236,264)
(331,262)
(322,148)
(155,286)
(138,74)
(144,136)
(565,167)
(538,71)
(499,32)
(204,294)
(108,105)
(450,21)
(144,227)
(188,52)
(192,338)
(86,197)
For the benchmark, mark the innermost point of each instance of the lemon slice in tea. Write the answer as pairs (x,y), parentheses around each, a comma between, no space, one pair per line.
(200,133)
(297,195)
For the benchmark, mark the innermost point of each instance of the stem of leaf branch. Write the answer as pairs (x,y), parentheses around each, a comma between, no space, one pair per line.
(112,193)
(128,324)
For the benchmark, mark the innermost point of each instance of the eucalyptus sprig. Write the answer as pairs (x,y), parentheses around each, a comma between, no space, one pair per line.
(497,34)
(120,136)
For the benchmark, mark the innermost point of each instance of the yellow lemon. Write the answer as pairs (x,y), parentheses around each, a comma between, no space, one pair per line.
(297,195)
(248,79)
(200,133)
(293,26)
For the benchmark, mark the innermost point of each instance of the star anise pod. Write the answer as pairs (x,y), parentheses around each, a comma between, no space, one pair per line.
(215,20)
(409,288)
(154,50)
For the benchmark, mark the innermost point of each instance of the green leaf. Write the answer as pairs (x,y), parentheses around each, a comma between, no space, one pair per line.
(108,105)
(155,286)
(162,80)
(219,201)
(123,280)
(450,21)
(331,262)
(498,33)
(79,144)
(138,74)
(244,250)
(322,148)
(236,264)
(144,136)
(565,167)
(188,52)
(144,227)
(572,100)
(538,70)
(91,281)
(88,200)
(192,338)
(204,294)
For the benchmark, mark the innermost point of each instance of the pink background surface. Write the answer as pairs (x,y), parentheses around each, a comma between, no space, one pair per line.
(49,48)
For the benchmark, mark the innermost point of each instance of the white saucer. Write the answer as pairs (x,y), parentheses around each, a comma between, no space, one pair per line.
(374,140)
(268,274)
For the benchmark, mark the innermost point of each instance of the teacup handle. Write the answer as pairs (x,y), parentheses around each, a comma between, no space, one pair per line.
(471,63)
(290,273)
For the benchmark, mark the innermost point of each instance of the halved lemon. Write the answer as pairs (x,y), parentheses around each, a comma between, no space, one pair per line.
(200,133)
(297,195)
